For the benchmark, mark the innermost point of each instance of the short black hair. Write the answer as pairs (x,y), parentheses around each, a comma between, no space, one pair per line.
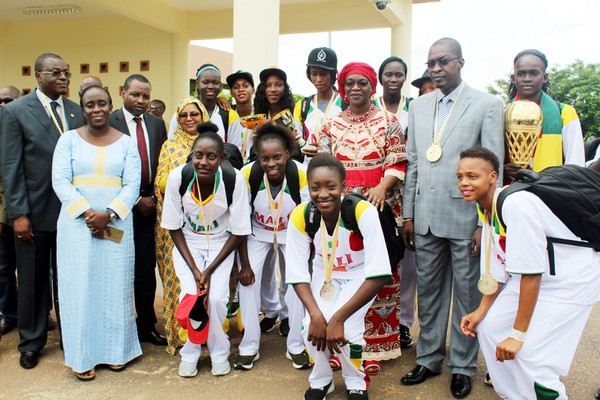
(483,153)
(270,131)
(135,77)
(39,62)
(453,44)
(85,90)
(328,161)
(208,130)
(389,60)
(512,88)
(200,68)
(162,103)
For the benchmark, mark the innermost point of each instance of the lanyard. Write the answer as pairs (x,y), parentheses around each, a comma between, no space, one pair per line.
(203,214)
(489,239)
(437,137)
(273,206)
(64,117)
(400,105)
(319,121)
(329,260)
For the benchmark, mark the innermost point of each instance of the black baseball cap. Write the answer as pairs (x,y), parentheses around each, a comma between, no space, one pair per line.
(419,82)
(265,73)
(239,74)
(322,57)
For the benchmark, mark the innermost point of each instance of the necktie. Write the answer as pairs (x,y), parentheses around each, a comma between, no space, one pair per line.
(60,128)
(443,111)
(143,149)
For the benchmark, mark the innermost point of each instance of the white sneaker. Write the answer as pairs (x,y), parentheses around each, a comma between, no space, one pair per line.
(188,369)
(219,369)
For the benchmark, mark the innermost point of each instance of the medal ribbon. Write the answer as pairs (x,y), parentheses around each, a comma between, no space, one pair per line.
(64,117)
(329,260)
(400,105)
(203,214)
(489,239)
(272,212)
(439,133)
(319,121)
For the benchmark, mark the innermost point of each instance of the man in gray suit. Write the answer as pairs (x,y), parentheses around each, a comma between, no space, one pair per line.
(437,222)
(149,132)
(30,128)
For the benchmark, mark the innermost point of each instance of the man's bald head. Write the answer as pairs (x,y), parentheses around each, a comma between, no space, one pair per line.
(89,81)
(451,44)
(8,94)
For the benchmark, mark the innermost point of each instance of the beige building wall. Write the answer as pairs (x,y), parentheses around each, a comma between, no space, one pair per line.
(109,40)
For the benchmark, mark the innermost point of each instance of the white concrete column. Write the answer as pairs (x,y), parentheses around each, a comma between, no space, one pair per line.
(401,47)
(180,64)
(255,35)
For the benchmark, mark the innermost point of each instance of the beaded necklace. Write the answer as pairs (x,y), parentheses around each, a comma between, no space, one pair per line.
(360,118)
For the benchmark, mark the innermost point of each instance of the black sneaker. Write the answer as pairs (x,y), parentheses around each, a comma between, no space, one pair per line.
(406,340)
(284,327)
(355,394)
(267,324)
(488,379)
(319,393)
(299,361)
(245,362)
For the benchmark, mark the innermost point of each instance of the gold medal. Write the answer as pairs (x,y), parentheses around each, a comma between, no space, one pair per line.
(327,291)
(434,152)
(487,285)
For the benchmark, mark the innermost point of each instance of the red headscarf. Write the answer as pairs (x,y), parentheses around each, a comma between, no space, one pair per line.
(356,68)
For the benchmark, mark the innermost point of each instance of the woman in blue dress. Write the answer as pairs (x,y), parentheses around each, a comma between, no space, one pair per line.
(96,176)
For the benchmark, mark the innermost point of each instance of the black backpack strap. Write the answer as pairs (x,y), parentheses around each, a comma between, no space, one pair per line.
(187,174)
(349,211)
(228,180)
(255,179)
(515,187)
(312,219)
(304,106)
(550,248)
(293,181)
(225,118)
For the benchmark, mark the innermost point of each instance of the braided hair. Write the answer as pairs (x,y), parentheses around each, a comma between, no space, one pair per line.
(512,88)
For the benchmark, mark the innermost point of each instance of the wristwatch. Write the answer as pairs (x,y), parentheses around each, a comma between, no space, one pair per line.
(111,214)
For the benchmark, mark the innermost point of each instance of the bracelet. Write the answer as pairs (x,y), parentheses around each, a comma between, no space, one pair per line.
(407,219)
(518,335)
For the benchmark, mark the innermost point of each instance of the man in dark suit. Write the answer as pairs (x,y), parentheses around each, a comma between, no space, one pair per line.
(149,133)
(444,231)
(30,128)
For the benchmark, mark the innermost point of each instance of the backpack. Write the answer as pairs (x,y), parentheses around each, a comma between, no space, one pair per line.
(572,193)
(187,174)
(391,233)
(291,174)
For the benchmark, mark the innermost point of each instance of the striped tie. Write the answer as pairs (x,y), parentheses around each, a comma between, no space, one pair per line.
(443,111)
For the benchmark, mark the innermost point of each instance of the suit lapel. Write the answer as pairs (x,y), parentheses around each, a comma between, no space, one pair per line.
(71,113)
(459,109)
(120,123)
(429,120)
(39,112)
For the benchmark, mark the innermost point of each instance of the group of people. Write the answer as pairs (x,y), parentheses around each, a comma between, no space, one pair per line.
(96,198)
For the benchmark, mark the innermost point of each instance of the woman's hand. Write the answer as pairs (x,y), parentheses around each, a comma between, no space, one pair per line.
(468,324)
(377,195)
(97,221)
(476,242)
(311,149)
(205,280)
(198,276)
(508,349)
(246,276)
(335,336)
(317,331)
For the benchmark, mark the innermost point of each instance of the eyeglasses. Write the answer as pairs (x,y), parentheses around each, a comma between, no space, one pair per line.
(192,114)
(442,62)
(363,83)
(56,73)
(6,100)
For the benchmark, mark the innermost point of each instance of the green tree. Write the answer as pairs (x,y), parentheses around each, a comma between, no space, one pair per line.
(577,84)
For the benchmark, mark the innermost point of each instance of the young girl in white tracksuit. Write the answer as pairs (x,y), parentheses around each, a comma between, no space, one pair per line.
(272,207)
(530,326)
(206,231)
(350,269)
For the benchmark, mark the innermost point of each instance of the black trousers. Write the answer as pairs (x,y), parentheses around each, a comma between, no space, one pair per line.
(144,286)
(8,279)
(34,262)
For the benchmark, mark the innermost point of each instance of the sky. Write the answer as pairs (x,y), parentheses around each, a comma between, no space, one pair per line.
(491,33)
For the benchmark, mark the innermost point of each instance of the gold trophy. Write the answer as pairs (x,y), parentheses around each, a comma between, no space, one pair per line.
(286,119)
(523,123)
(253,121)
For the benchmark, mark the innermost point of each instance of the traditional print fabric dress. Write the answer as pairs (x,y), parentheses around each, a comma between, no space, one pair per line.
(95,276)
(370,151)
